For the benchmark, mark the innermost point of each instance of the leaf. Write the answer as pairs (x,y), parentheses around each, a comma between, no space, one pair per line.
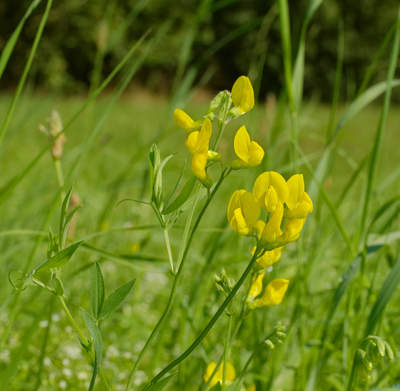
(61,258)
(158,182)
(115,299)
(162,383)
(388,287)
(97,292)
(182,197)
(98,344)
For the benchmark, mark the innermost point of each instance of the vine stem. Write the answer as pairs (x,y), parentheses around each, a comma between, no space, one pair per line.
(176,280)
(210,324)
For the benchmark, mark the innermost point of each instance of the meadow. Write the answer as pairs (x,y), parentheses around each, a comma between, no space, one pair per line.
(337,327)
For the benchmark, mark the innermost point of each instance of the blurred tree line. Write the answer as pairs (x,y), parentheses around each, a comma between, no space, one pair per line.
(232,37)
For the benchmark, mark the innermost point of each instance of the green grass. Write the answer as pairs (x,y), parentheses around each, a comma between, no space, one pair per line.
(129,132)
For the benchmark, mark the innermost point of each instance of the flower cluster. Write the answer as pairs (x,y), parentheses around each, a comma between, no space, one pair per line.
(232,105)
(287,206)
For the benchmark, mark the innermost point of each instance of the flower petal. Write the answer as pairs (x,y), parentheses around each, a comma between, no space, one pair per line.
(296,189)
(185,122)
(242,144)
(274,293)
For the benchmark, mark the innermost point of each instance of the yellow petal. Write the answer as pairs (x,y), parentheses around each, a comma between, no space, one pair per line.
(296,189)
(256,154)
(243,94)
(268,259)
(240,222)
(259,226)
(303,208)
(191,142)
(242,144)
(243,202)
(199,162)
(292,231)
(230,374)
(256,287)
(274,293)
(264,182)
(272,229)
(184,121)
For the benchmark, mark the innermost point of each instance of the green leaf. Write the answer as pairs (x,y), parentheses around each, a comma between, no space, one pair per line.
(154,159)
(97,292)
(182,197)
(116,298)
(162,383)
(98,344)
(61,258)
(388,287)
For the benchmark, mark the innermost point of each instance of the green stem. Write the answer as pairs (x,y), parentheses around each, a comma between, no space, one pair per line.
(176,280)
(227,343)
(210,324)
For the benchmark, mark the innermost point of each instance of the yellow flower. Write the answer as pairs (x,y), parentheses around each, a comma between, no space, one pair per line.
(197,143)
(270,189)
(251,388)
(291,232)
(256,287)
(272,230)
(249,152)
(184,121)
(229,376)
(242,96)
(268,258)
(298,202)
(243,212)
(273,295)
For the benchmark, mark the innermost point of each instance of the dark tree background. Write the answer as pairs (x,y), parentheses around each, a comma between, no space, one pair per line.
(67,51)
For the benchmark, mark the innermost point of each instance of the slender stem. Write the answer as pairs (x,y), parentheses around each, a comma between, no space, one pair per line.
(176,280)
(242,315)
(227,343)
(210,324)
(73,323)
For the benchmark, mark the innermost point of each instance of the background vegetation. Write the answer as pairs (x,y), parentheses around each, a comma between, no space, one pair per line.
(345,269)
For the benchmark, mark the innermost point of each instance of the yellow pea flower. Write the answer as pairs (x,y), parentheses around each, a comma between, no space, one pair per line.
(270,189)
(273,295)
(230,374)
(291,232)
(243,212)
(272,230)
(298,202)
(268,258)
(185,122)
(242,96)
(256,287)
(249,152)
(198,143)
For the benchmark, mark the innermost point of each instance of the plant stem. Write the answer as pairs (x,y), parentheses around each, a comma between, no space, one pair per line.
(210,324)
(171,260)
(176,279)
(227,343)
